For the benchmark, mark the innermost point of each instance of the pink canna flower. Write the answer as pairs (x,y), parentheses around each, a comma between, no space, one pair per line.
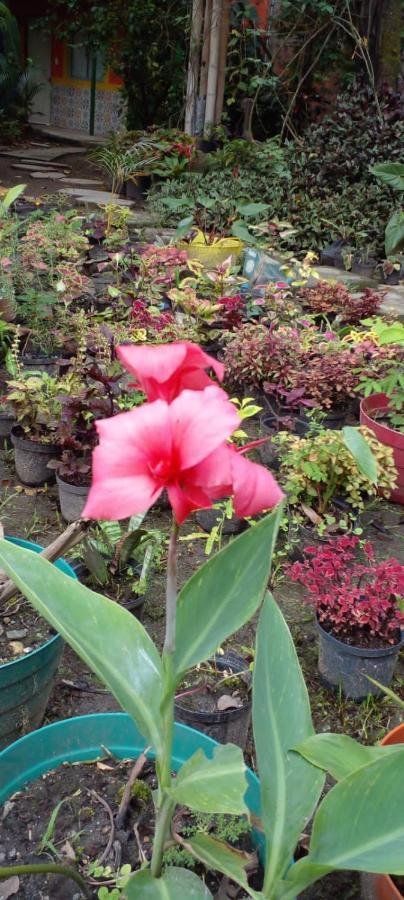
(180,447)
(164,370)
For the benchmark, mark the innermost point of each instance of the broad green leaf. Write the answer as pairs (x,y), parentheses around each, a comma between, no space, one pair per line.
(12,195)
(183,227)
(252,209)
(392,173)
(239,230)
(222,595)
(339,754)
(109,639)
(215,785)
(359,824)
(175,884)
(361,452)
(221,857)
(394,233)
(392,334)
(290,786)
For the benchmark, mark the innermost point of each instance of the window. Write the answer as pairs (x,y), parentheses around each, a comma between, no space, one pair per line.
(81,60)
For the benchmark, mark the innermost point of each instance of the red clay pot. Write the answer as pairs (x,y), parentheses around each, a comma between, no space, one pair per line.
(382,886)
(387,436)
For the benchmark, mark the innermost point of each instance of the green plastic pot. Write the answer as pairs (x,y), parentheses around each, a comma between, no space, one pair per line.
(25,683)
(88,737)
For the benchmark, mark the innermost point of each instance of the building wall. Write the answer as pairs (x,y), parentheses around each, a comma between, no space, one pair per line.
(70,97)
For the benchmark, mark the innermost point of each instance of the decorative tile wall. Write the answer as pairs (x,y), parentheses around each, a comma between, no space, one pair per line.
(70,108)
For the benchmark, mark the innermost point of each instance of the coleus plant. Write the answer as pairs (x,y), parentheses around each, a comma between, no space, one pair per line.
(336,299)
(178,441)
(358,602)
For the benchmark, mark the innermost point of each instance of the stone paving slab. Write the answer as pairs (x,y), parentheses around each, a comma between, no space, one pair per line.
(44,153)
(46,174)
(84,195)
(80,181)
(28,166)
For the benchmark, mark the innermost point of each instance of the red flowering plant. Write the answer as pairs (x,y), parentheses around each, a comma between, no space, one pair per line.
(177,441)
(359,603)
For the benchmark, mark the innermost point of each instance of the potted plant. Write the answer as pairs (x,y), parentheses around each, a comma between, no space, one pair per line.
(26,678)
(334,300)
(358,613)
(392,174)
(214,230)
(119,560)
(93,397)
(261,357)
(328,474)
(35,401)
(215,698)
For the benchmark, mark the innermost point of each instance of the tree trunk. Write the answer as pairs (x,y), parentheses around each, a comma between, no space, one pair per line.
(388,44)
(213,69)
(193,66)
(224,40)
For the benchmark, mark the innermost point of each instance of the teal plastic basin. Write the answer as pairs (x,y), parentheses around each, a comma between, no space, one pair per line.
(89,737)
(25,683)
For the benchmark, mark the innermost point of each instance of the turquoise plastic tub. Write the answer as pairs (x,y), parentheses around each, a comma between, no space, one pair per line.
(90,737)
(25,683)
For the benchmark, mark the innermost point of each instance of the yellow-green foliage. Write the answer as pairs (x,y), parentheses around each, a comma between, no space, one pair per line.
(319,467)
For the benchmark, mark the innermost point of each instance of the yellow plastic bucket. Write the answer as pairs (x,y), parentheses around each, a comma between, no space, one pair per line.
(212,255)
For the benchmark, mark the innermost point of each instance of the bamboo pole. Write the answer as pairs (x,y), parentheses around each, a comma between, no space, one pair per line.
(193,65)
(221,79)
(72,535)
(213,69)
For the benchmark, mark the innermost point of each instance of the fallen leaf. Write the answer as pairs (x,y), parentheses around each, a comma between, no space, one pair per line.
(104,767)
(311,514)
(16,647)
(9,887)
(8,806)
(227,702)
(68,851)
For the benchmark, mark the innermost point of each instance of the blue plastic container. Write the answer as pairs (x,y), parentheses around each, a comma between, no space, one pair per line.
(25,683)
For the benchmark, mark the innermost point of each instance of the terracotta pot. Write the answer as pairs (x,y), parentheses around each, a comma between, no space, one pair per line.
(387,436)
(382,887)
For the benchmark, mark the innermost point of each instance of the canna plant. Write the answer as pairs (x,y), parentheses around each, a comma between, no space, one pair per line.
(181,446)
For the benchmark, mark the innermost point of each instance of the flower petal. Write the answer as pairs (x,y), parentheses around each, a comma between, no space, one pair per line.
(200,422)
(120,497)
(185,500)
(254,488)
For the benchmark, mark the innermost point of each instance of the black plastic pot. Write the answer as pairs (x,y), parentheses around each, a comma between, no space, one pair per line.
(334,419)
(7,422)
(134,605)
(268,452)
(342,666)
(32,458)
(208,518)
(227,726)
(366,269)
(332,255)
(72,499)
(137,190)
(49,364)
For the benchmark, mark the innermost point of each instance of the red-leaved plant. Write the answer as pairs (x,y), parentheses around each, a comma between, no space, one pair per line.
(335,299)
(359,603)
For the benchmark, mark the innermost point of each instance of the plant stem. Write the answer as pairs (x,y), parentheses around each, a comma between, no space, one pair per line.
(171,591)
(166,806)
(46,869)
